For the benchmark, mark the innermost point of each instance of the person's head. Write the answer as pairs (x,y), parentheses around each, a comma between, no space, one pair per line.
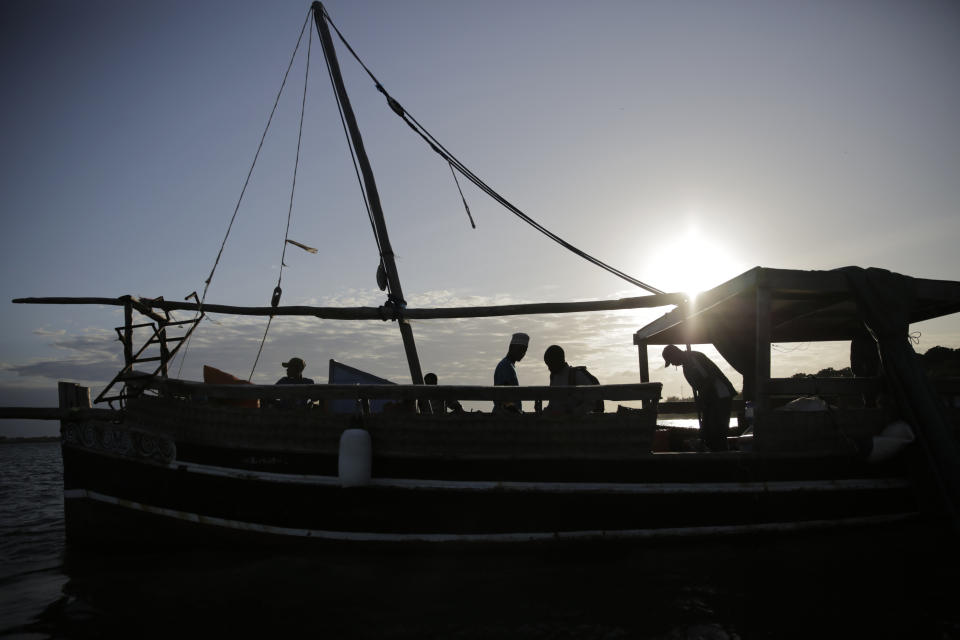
(430,378)
(672,355)
(518,346)
(295,367)
(553,357)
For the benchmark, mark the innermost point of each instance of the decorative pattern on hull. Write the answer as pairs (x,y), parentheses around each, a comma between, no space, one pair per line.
(119,441)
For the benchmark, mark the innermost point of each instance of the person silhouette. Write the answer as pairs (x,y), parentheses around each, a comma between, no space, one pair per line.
(438,406)
(562,375)
(714,393)
(506,372)
(294,367)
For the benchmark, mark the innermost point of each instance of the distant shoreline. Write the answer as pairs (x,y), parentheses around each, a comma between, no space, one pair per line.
(28,439)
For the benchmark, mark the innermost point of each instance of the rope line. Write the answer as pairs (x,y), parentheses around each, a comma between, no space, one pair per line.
(353,156)
(254,163)
(467,173)
(293,189)
(465,205)
(236,209)
(296,162)
(263,341)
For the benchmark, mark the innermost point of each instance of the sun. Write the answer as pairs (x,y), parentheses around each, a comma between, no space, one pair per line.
(692,262)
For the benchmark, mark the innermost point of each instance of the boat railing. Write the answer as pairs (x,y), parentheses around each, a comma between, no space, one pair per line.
(688,407)
(158,310)
(647,393)
(833,387)
(847,391)
(830,414)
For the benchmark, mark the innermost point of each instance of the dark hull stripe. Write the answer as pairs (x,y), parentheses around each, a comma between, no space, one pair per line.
(639,488)
(357,536)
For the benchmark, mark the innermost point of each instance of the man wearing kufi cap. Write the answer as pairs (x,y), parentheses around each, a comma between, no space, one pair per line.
(506,372)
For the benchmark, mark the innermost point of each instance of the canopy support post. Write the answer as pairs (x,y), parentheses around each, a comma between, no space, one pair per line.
(644,361)
(762,362)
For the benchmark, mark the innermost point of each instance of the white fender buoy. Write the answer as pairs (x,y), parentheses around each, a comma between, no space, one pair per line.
(355,458)
(894,437)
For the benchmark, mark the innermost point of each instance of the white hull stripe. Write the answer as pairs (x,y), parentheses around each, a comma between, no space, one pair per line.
(356,536)
(638,488)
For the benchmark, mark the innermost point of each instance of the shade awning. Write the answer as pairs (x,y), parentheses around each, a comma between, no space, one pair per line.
(805,306)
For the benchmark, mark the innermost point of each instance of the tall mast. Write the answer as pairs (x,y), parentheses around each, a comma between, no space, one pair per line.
(370,186)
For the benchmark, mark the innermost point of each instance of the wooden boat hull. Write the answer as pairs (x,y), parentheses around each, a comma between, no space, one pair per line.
(524,479)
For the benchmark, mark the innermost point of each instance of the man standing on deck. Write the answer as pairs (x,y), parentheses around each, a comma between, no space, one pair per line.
(439,406)
(294,367)
(506,372)
(563,375)
(714,393)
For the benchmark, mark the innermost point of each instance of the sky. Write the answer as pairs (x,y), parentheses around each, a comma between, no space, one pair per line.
(682,142)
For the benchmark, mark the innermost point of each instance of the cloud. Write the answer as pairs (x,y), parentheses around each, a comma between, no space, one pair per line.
(68,370)
(94,357)
(88,346)
(90,343)
(44,332)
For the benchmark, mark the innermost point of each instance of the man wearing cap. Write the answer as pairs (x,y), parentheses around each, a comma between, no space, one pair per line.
(294,367)
(714,393)
(506,372)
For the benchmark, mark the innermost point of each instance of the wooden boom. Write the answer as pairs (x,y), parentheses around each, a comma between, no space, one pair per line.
(381,313)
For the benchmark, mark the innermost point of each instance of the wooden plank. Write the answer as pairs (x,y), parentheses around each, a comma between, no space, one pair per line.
(648,391)
(68,300)
(821,386)
(688,407)
(72,395)
(762,361)
(378,313)
(644,362)
(127,334)
(678,326)
(786,281)
(145,307)
(55,413)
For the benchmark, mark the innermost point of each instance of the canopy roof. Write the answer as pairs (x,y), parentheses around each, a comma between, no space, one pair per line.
(805,306)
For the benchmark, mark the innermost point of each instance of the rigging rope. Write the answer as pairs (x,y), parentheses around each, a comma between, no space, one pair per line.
(465,205)
(293,188)
(353,157)
(467,173)
(246,182)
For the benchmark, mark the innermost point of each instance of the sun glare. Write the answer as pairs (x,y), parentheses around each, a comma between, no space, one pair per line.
(690,264)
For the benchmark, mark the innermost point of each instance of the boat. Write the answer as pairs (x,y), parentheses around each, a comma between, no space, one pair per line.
(357,462)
